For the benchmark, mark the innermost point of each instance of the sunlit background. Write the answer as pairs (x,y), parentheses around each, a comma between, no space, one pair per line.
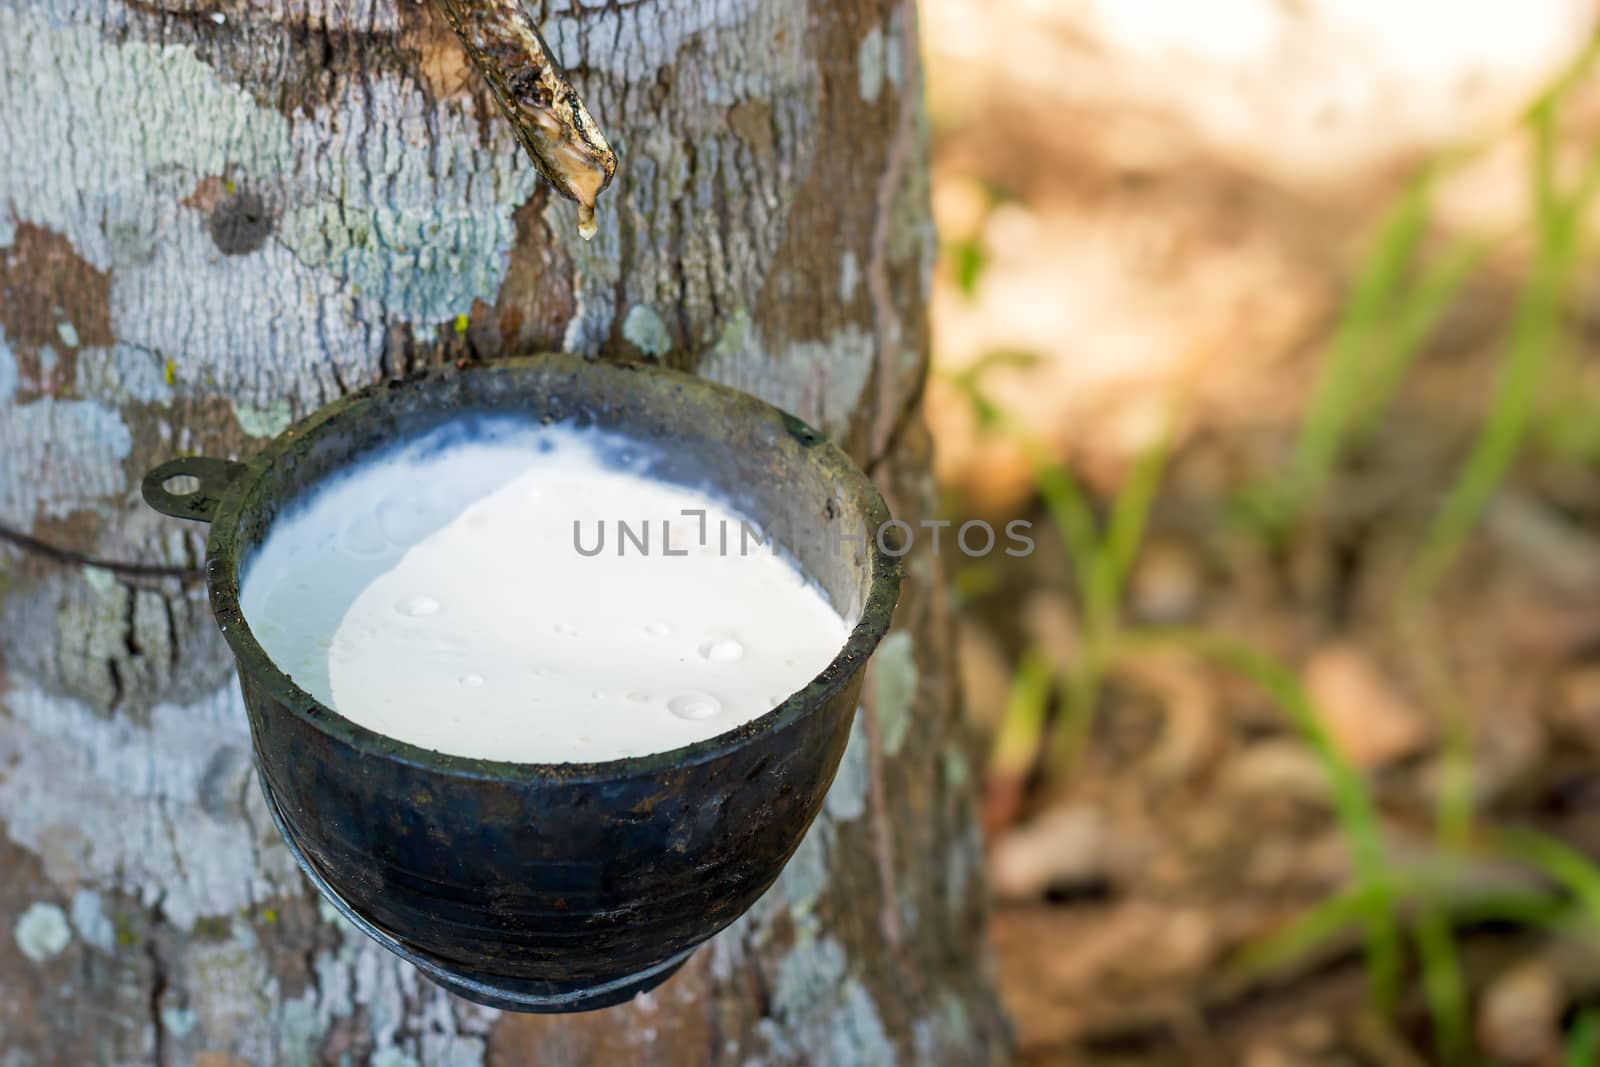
(1279,318)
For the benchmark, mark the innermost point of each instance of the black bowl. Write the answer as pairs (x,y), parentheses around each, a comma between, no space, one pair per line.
(553,887)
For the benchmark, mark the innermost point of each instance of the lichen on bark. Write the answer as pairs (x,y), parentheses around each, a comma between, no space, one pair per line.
(229,214)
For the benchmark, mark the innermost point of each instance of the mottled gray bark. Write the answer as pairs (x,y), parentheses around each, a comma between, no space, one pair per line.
(215,215)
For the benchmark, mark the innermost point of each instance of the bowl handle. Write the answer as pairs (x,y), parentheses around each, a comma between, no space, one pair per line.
(214,476)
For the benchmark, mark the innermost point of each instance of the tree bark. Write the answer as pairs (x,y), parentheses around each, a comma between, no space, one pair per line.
(217,215)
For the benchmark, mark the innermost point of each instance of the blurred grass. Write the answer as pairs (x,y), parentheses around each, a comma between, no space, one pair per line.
(1386,322)
(1443,985)
(1583,1041)
(1536,334)
(1101,559)
(1401,293)
(969,261)
(1558,861)
(1017,742)
(1110,558)
(1381,284)
(1373,894)
(1383,311)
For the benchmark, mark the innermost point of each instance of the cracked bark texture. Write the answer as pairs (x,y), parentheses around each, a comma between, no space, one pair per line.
(216,215)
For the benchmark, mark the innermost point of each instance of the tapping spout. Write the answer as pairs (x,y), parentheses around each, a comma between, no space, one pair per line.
(551,120)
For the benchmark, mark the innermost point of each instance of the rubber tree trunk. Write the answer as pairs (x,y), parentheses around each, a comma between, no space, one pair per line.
(215,216)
